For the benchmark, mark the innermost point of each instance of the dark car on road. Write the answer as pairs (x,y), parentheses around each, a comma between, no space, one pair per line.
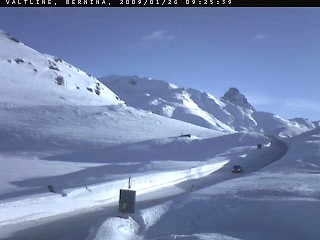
(237,169)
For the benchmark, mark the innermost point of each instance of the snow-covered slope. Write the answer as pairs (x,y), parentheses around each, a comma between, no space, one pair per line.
(168,100)
(230,113)
(316,123)
(303,155)
(29,77)
(275,125)
(86,143)
(61,127)
(49,108)
(279,202)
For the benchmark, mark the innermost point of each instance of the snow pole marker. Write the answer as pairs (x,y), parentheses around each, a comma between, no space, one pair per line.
(127,199)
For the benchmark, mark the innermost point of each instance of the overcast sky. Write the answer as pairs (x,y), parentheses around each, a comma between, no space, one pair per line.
(272,55)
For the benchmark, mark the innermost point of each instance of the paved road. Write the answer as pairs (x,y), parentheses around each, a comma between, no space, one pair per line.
(77,226)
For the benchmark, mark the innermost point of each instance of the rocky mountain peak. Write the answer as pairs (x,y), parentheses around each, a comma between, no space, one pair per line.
(234,96)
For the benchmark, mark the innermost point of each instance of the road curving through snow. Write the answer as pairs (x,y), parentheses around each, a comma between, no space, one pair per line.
(77,225)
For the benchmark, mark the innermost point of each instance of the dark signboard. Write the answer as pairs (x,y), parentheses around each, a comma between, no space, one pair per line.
(127,201)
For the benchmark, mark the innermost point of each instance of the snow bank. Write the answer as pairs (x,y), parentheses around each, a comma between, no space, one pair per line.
(260,206)
(74,146)
(116,229)
(82,198)
(136,227)
(279,202)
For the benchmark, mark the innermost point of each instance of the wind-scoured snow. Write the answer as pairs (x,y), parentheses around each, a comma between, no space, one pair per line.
(230,113)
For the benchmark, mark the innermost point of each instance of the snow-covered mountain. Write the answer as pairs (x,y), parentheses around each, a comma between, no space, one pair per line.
(59,127)
(234,96)
(49,108)
(316,123)
(230,113)
(29,77)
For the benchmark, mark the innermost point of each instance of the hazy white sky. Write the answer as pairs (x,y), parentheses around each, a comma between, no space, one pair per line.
(270,54)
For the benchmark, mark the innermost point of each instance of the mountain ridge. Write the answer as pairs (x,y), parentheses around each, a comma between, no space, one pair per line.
(230,113)
(44,75)
(234,96)
(49,80)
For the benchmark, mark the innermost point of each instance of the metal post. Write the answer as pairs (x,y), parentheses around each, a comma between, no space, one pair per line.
(129,183)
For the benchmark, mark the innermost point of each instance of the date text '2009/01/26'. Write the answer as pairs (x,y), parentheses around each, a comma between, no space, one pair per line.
(174,2)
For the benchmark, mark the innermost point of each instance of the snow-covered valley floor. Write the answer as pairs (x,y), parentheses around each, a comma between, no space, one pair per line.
(268,204)
(150,199)
(279,202)
(185,188)
(69,149)
(88,153)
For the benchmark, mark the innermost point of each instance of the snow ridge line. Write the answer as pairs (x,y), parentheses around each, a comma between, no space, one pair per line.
(82,199)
